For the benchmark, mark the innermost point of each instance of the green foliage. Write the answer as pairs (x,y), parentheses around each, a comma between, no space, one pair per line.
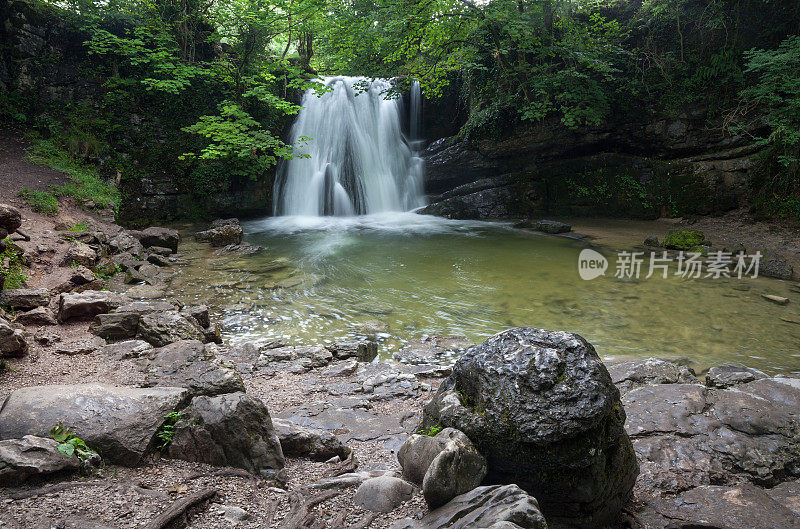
(12,267)
(79,226)
(684,239)
(85,180)
(430,431)
(42,202)
(69,443)
(107,270)
(166,433)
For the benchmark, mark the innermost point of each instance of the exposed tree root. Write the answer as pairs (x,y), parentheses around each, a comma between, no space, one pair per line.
(179,509)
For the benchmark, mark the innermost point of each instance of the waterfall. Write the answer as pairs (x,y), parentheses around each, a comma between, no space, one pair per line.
(358,160)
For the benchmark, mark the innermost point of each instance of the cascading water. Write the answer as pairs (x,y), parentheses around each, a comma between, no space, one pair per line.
(359,161)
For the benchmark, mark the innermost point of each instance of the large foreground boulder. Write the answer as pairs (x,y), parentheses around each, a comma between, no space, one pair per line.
(492,507)
(120,422)
(32,456)
(541,407)
(229,430)
(12,340)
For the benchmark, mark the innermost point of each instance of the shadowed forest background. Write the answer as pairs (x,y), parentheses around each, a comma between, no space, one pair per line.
(200,94)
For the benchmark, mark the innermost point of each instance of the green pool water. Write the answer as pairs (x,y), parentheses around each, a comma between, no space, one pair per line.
(323,279)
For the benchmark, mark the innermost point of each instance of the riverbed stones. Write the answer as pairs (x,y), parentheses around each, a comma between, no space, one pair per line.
(490,507)
(115,325)
(363,351)
(37,316)
(383,494)
(229,430)
(31,456)
(162,328)
(222,233)
(158,237)
(542,408)
(80,253)
(728,376)
(12,340)
(88,303)
(316,444)
(432,349)
(190,364)
(629,375)
(119,421)
(25,298)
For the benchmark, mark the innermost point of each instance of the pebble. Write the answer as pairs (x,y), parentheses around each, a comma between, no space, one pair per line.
(780,300)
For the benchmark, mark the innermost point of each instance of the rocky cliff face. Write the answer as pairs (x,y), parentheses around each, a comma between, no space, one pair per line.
(644,165)
(44,65)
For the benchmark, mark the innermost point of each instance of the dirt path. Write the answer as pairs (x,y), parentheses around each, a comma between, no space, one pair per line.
(17,173)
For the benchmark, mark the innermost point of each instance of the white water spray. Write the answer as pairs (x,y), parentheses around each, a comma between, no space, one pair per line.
(359,161)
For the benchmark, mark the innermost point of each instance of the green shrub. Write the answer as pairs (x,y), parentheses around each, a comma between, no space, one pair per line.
(166,433)
(40,201)
(11,267)
(684,239)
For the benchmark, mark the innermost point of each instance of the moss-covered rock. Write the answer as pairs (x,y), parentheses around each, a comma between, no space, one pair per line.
(684,239)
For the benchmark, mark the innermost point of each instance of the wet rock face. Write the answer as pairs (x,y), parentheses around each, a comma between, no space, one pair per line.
(492,507)
(229,430)
(541,407)
(689,435)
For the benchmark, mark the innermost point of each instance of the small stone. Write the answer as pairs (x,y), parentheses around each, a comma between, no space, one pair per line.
(234,514)
(780,300)
(652,241)
(728,376)
(552,227)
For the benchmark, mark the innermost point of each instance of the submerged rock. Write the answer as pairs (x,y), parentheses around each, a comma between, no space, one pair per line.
(120,422)
(492,507)
(32,456)
(542,409)
(552,226)
(229,430)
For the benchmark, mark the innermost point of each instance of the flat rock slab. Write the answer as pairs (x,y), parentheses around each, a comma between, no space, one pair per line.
(118,421)
(349,423)
(743,506)
(492,507)
(688,435)
(88,304)
(25,298)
